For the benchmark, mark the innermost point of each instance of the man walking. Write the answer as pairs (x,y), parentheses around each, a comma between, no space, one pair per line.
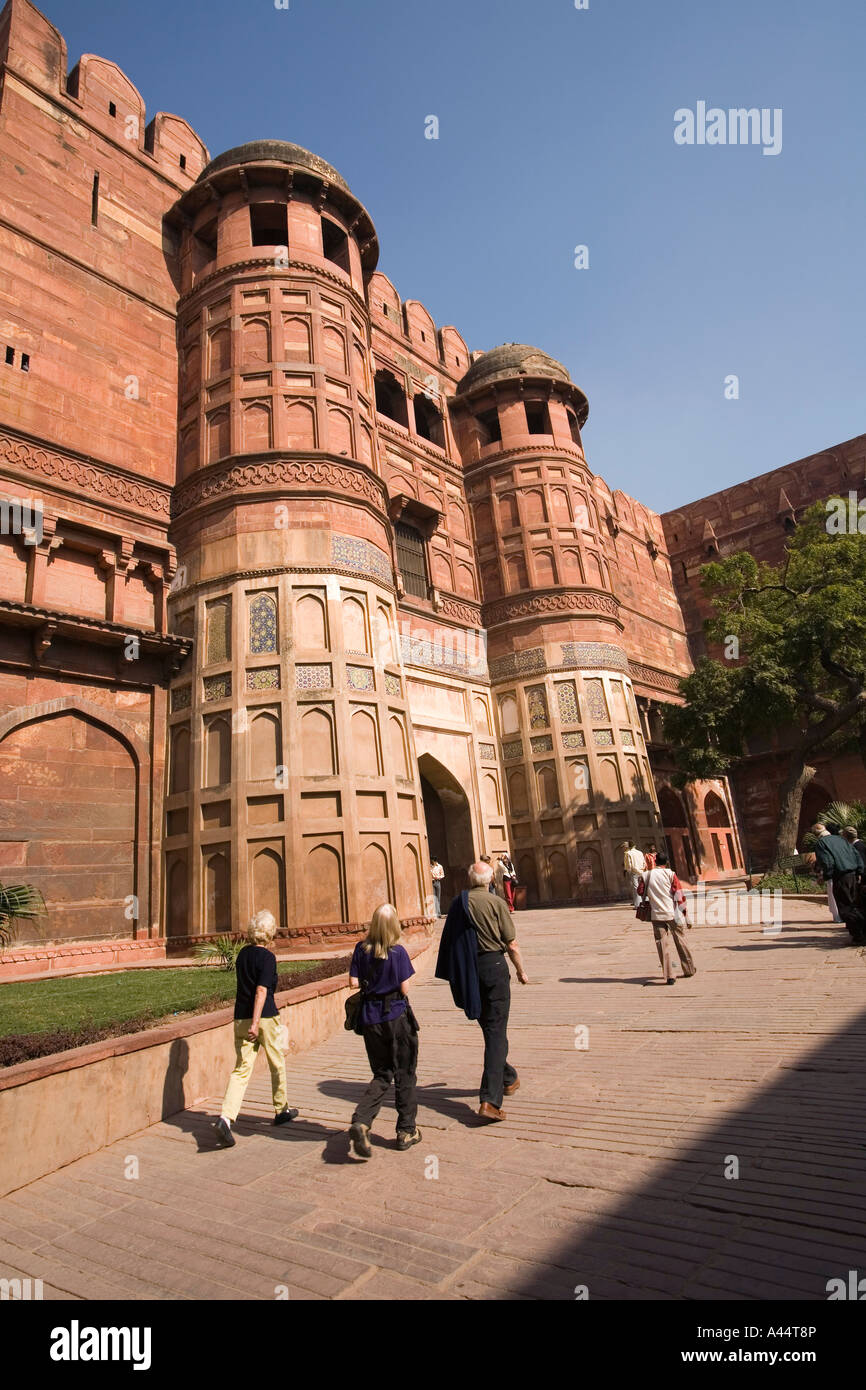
(840,864)
(478,934)
(633,867)
(663,891)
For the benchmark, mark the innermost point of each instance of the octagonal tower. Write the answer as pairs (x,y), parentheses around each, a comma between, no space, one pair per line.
(574,759)
(293,783)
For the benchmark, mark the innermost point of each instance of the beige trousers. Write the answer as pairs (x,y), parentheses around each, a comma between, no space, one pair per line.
(666,933)
(245,1059)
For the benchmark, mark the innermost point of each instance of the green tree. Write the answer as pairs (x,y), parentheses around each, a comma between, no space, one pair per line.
(798,663)
(18,901)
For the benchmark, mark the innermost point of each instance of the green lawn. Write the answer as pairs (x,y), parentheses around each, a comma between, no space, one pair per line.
(41,1006)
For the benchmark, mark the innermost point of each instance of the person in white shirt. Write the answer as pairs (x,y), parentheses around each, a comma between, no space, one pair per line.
(663,891)
(437,873)
(633,866)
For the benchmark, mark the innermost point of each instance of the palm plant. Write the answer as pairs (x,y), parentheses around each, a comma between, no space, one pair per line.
(221,952)
(839,813)
(18,902)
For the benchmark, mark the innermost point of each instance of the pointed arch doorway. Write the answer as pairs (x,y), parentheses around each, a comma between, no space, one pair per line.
(449,824)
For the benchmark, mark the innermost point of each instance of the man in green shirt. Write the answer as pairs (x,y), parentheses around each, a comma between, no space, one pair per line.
(494,929)
(840,863)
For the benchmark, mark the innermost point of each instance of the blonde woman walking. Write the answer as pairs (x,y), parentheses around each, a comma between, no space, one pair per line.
(381,968)
(257,1024)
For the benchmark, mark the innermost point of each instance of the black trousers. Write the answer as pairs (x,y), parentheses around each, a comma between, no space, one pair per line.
(392,1051)
(494,980)
(846,893)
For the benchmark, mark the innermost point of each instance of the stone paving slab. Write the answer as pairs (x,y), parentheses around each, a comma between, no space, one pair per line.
(613,1170)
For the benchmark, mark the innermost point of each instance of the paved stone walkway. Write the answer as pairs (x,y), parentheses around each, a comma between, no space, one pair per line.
(610,1172)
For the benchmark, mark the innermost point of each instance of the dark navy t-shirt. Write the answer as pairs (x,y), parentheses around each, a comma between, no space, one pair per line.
(255,965)
(381,977)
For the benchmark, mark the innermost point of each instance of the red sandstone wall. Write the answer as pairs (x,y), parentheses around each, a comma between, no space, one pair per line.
(92,304)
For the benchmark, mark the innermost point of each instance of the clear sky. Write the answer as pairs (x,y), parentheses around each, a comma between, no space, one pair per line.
(556,129)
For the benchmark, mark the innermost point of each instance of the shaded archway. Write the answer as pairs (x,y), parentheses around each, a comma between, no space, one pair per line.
(449,824)
(675,823)
(69,812)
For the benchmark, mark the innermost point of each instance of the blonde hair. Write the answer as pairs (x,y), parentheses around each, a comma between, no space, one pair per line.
(385,931)
(262,928)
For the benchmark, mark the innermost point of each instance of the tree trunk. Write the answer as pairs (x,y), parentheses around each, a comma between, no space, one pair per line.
(791,802)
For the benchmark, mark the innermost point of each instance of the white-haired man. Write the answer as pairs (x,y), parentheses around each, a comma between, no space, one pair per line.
(478,934)
(257,1024)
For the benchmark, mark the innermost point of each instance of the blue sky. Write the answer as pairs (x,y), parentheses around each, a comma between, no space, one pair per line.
(556,129)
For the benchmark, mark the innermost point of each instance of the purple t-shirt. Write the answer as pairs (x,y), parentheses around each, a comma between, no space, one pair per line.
(381,977)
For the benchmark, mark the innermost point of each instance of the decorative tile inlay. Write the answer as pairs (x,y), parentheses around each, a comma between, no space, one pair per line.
(360,678)
(361,557)
(516,663)
(218,630)
(264,678)
(181,698)
(595,700)
(567,694)
(594,655)
(263,625)
(466,655)
(513,749)
(536,704)
(487,752)
(575,739)
(217,687)
(602,738)
(627,737)
(542,743)
(317,677)
(393,685)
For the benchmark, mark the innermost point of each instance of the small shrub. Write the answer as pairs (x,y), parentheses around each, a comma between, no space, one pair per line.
(223,952)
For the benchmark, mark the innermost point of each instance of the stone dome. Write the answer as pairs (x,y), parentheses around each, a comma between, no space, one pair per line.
(511,359)
(274,152)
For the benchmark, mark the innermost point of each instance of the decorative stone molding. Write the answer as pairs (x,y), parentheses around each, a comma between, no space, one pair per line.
(263,263)
(463,611)
(221,581)
(280,473)
(554,601)
(83,476)
(648,675)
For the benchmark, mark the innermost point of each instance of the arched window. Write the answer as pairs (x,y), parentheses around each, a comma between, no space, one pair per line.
(263,624)
(428,421)
(412,559)
(488,428)
(335,244)
(391,399)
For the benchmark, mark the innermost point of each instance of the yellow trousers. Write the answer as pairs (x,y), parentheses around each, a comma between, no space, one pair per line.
(245,1060)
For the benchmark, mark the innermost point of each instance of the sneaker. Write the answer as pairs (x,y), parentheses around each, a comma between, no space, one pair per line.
(360,1137)
(285,1115)
(224,1133)
(406,1140)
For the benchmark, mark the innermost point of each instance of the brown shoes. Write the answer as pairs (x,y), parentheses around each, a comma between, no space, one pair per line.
(515,1086)
(489,1112)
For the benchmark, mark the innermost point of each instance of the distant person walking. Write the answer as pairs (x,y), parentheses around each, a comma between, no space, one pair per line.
(663,890)
(381,968)
(437,873)
(633,867)
(650,856)
(257,1024)
(507,875)
(841,866)
(477,936)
